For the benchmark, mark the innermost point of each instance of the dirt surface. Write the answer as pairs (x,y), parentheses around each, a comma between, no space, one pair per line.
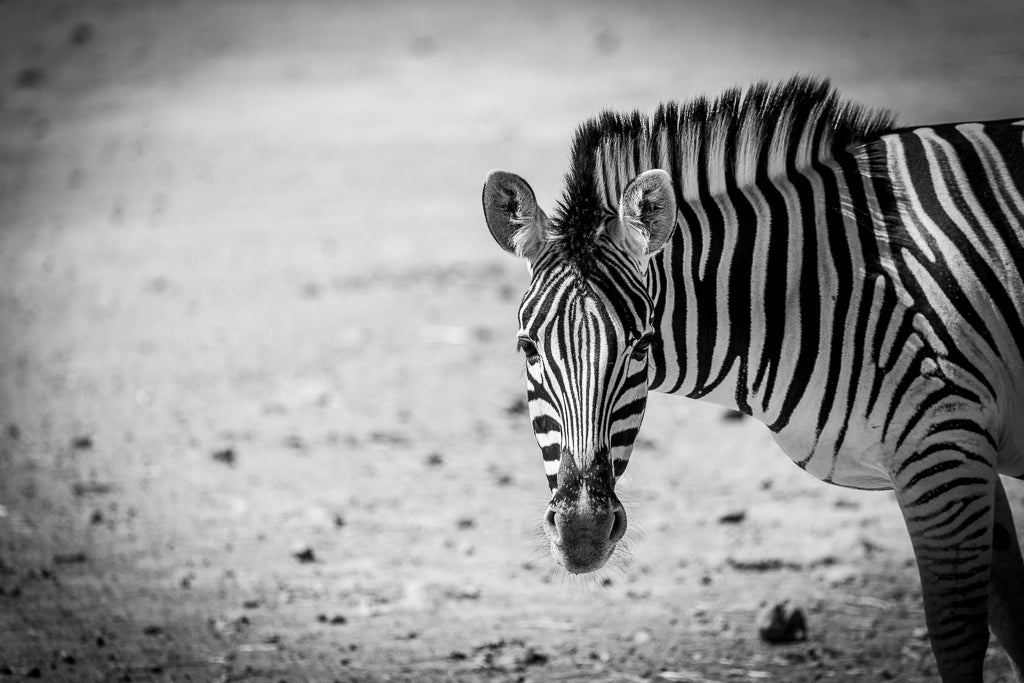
(261,418)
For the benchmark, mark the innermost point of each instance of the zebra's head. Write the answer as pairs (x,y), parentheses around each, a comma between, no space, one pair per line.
(585,327)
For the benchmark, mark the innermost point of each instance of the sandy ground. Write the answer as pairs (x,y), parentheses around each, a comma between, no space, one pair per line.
(261,414)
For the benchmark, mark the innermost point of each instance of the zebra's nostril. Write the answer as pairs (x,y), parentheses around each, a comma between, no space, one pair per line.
(550,528)
(618,525)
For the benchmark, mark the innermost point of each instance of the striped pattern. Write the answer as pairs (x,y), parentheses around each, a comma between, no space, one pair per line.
(586,404)
(858,288)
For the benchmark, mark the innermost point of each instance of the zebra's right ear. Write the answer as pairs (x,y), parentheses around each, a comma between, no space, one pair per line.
(512,214)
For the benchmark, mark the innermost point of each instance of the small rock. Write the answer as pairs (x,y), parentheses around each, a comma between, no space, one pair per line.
(96,517)
(517,407)
(782,622)
(66,657)
(435,459)
(463,593)
(733,416)
(253,603)
(82,443)
(465,523)
(336,620)
(762,564)
(388,437)
(225,455)
(152,630)
(642,637)
(304,554)
(69,558)
(13,431)
(734,517)
(91,488)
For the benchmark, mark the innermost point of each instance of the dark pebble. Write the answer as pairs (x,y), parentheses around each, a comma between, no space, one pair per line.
(733,517)
(305,555)
(82,443)
(91,488)
(517,407)
(69,558)
(782,623)
(225,455)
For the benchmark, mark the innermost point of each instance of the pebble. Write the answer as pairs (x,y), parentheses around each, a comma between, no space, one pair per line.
(782,622)
(734,517)
(304,554)
(225,455)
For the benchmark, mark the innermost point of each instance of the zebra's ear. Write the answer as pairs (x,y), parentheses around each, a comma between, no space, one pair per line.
(647,212)
(513,217)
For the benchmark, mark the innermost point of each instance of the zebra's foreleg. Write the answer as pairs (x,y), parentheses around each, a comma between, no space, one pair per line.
(1006,592)
(947,496)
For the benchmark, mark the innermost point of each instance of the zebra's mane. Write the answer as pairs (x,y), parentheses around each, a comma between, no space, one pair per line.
(737,139)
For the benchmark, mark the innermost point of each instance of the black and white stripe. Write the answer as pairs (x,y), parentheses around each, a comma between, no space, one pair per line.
(586,390)
(857,287)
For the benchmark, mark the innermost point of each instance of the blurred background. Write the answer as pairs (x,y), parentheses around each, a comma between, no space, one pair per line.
(261,414)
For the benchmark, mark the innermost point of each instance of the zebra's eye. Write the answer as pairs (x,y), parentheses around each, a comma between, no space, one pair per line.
(640,350)
(529,349)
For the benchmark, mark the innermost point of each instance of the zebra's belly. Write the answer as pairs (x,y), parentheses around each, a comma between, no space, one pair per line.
(860,462)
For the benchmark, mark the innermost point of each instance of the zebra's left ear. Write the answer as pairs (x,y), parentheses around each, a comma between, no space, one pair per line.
(647,212)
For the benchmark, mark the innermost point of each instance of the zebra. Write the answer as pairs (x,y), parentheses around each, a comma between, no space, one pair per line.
(855,286)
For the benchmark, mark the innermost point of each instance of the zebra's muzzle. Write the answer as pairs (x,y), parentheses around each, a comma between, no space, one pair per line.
(584,520)
(583,538)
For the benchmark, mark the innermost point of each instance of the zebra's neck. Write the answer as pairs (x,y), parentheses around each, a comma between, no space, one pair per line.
(754,287)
